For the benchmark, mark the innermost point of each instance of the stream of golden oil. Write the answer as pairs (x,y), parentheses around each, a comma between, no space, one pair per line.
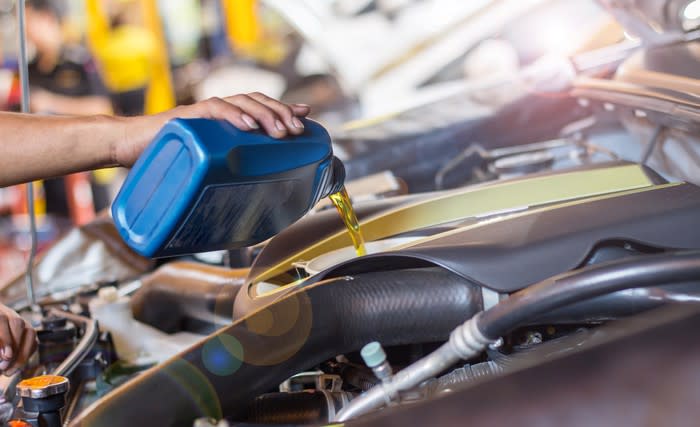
(341,200)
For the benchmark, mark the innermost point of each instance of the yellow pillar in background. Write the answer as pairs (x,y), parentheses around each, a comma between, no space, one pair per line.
(242,24)
(160,95)
(132,57)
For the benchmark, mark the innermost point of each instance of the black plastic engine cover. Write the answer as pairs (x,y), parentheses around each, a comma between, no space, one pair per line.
(511,253)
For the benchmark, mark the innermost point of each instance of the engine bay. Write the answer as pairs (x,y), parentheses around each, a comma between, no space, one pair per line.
(551,240)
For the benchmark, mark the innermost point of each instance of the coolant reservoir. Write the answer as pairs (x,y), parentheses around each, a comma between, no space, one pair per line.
(114,315)
(203,185)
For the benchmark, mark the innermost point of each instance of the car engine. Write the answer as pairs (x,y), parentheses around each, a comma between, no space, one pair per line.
(543,269)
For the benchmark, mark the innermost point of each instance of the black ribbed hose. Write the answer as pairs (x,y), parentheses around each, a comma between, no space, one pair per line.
(298,408)
(223,374)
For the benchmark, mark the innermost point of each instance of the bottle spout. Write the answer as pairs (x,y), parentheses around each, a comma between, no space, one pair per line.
(337,180)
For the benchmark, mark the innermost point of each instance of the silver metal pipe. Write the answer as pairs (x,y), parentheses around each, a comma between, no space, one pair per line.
(24,83)
(22,59)
(83,348)
(465,342)
(411,377)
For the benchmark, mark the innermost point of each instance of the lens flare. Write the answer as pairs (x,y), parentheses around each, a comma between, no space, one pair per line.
(276,333)
(191,382)
(692,10)
(691,16)
(222,355)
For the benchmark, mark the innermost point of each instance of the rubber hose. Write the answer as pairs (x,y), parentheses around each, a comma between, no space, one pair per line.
(301,408)
(185,295)
(586,283)
(224,373)
(617,305)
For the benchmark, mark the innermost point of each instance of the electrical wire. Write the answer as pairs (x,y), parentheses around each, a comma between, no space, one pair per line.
(24,82)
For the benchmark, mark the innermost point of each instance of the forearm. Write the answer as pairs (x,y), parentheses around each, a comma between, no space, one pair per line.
(34,147)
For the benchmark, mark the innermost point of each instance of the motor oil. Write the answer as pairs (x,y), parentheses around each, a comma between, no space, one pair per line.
(341,201)
(204,185)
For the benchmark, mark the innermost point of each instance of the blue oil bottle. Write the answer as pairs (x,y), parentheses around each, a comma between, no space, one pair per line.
(203,185)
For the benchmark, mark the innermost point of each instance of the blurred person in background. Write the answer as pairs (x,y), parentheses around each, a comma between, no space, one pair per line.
(124,50)
(110,77)
(67,79)
(64,77)
(64,80)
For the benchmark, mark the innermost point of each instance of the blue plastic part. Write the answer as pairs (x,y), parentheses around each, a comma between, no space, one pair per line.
(204,185)
(373,354)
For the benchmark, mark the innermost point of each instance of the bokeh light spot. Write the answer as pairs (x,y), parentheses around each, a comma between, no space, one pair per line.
(261,323)
(222,355)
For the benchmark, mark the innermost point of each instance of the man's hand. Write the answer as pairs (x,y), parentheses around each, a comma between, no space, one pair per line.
(247,112)
(17,341)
